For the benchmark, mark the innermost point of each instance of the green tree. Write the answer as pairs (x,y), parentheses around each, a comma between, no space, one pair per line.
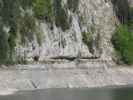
(4,47)
(123,43)
(60,15)
(43,9)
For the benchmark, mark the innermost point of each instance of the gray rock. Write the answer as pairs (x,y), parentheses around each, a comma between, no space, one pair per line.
(90,14)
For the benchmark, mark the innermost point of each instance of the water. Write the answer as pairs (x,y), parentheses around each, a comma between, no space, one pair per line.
(123,93)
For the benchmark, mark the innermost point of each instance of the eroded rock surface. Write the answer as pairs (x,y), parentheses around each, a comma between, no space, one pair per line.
(96,17)
(65,75)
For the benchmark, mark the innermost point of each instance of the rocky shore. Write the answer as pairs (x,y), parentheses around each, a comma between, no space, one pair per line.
(64,75)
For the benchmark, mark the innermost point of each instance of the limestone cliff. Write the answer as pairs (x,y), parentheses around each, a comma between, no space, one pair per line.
(64,32)
(96,17)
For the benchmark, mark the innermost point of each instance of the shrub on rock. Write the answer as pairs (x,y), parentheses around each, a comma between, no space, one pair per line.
(123,43)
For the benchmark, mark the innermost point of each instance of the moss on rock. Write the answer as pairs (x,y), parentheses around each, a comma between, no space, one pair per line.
(73,4)
(43,9)
(87,38)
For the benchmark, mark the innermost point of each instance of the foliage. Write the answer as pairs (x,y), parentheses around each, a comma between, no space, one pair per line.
(43,9)
(87,38)
(21,17)
(73,4)
(123,43)
(123,36)
(60,15)
(18,17)
(26,3)
(121,8)
(51,10)
(3,46)
(39,37)
(27,28)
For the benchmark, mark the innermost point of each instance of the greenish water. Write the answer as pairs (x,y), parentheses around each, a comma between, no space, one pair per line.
(123,93)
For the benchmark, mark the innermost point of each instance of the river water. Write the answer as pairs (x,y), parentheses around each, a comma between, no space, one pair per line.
(111,93)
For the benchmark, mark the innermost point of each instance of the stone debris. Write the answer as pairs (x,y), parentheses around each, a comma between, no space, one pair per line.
(73,76)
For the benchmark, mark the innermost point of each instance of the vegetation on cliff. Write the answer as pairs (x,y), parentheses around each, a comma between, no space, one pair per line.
(122,39)
(73,4)
(19,20)
(121,8)
(17,26)
(19,23)
(43,9)
(123,43)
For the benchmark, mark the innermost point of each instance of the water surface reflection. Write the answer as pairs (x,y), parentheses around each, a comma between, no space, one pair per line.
(109,93)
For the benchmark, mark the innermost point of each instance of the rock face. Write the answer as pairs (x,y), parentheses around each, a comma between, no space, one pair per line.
(130,2)
(92,16)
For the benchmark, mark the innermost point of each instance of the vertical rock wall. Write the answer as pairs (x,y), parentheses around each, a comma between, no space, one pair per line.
(92,16)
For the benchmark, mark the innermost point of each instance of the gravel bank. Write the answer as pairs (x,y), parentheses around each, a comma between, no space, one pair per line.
(68,75)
